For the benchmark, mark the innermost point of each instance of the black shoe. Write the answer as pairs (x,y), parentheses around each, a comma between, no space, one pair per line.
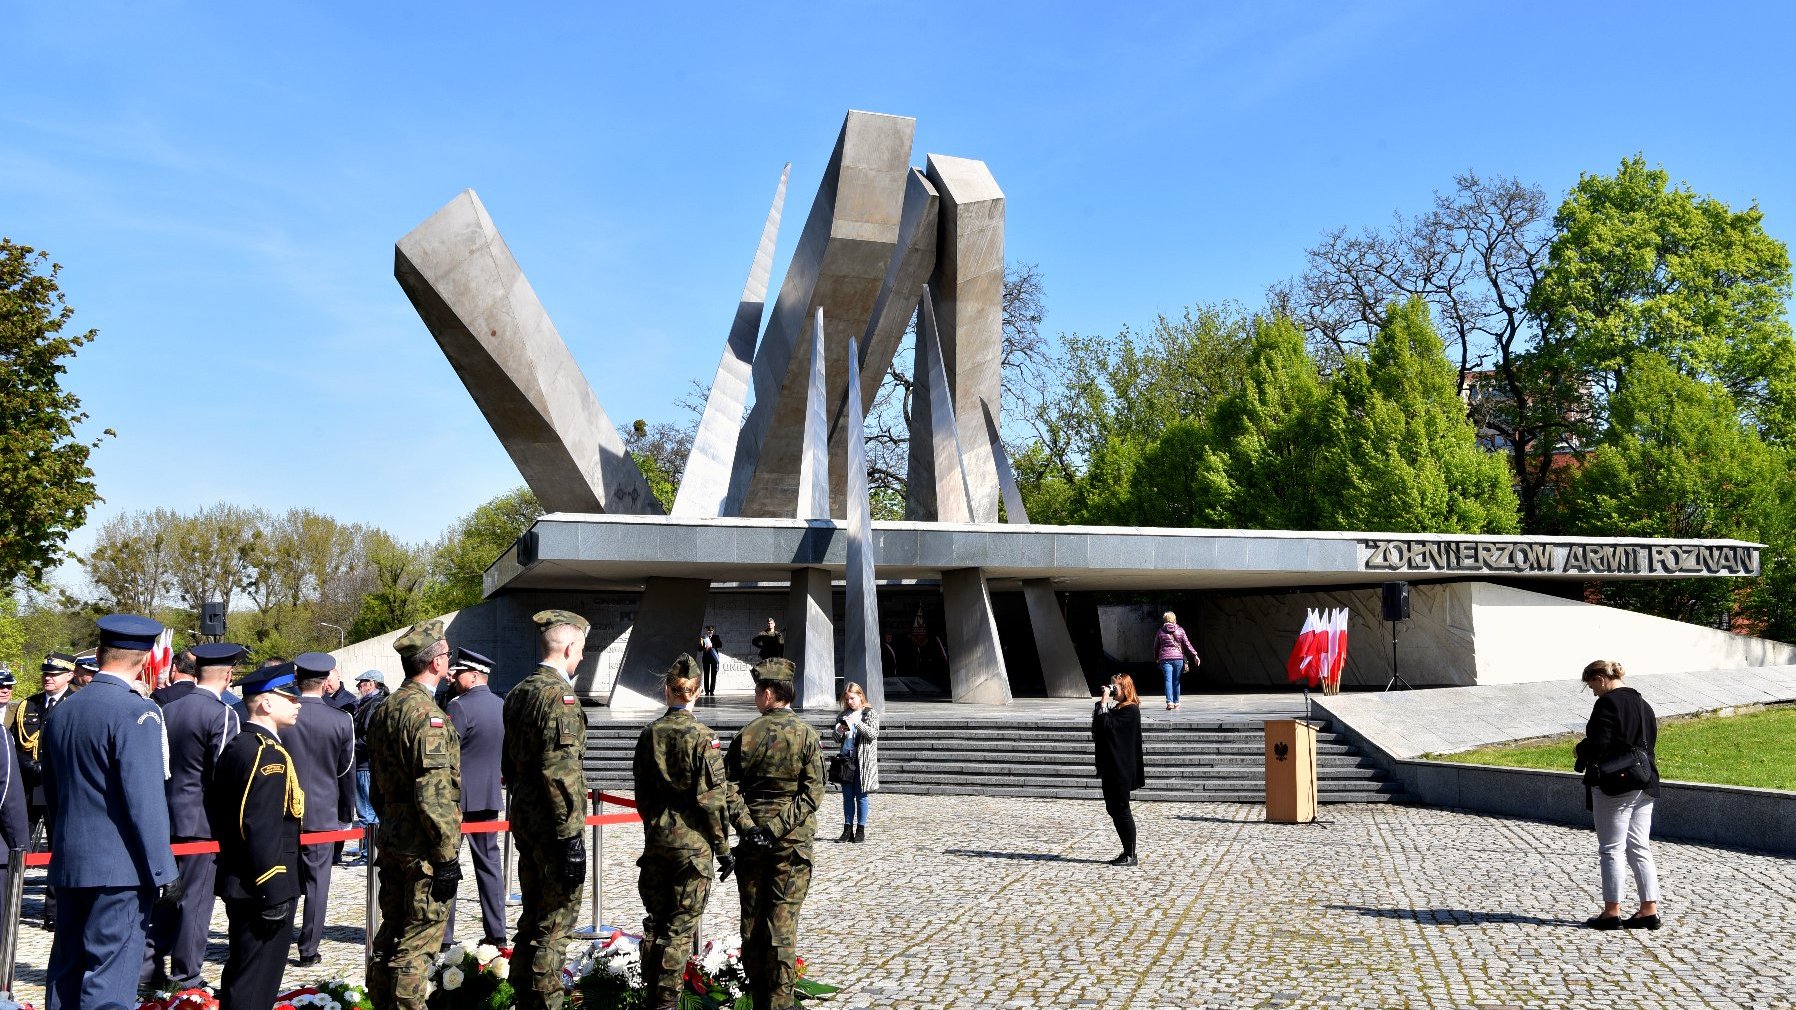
(307,960)
(50,925)
(496,941)
(847,834)
(860,832)
(1126,859)
(159,980)
(1603,922)
(1640,922)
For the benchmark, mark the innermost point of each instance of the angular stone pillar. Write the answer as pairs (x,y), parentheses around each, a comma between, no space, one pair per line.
(811,637)
(976,671)
(968,285)
(860,647)
(669,619)
(706,480)
(483,313)
(937,490)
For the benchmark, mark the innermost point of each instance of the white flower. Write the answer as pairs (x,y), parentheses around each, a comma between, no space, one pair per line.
(500,967)
(352,995)
(484,953)
(452,979)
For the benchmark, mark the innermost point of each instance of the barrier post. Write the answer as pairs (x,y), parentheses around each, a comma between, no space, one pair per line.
(9,917)
(371,913)
(511,897)
(595,854)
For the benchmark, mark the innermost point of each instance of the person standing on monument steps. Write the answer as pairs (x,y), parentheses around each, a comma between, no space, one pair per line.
(199,726)
(414,759)
(103,764)
(545,739)
(322,743)
(255,805)
(479,718)
(776,763)
(684,799)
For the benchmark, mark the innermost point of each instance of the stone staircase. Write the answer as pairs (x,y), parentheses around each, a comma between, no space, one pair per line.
(1218,760)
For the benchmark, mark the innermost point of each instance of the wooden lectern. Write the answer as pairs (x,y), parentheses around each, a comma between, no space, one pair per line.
(1290,771)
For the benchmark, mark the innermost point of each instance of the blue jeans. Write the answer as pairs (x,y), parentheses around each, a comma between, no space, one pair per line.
(1173,669)
(364,802)
(855,803)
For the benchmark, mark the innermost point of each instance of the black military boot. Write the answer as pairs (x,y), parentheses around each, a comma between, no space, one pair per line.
(847,833)
(860,832)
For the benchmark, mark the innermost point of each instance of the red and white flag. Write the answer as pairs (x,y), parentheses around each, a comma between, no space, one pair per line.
(1303,664)
(162,659)
(1337,647)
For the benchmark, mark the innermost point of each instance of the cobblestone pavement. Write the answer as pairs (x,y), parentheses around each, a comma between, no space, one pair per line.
(976,902)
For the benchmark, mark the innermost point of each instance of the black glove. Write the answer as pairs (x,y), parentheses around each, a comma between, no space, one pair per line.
(573,861)
(726,865)
(170,893)
(755,839)
(443,880)
(278,911)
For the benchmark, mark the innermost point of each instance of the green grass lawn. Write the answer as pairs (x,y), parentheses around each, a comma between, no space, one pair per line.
(1751,749)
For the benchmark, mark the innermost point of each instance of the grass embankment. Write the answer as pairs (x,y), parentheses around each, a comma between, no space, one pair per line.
(1753,748)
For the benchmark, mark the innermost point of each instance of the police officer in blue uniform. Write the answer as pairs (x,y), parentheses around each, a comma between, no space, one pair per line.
(199,725)
(479,718)
(104,768)
(15,830)
(255,804)
(322,743)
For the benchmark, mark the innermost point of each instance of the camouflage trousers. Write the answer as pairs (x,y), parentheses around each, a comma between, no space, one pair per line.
(772,887)
(411,930)
(545,923)
(674,884)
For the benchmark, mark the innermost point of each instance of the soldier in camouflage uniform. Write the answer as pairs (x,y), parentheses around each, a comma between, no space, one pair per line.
(414,760)
(684,799)
(776,763)
(545,739)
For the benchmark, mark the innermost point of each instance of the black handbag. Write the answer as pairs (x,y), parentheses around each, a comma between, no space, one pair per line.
(843,770)
(1632,770)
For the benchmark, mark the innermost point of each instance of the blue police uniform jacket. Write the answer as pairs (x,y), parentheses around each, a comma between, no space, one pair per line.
(199,725)
(14,828)
(322,743)
(479,717)
(104,768)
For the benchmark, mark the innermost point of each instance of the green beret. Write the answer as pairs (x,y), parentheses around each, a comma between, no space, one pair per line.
(546,619)
(779,668)
(418,637)
(684,668)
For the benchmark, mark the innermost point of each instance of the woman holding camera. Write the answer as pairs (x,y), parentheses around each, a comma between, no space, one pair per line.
(857,727)
(1621,779)
(1116,734)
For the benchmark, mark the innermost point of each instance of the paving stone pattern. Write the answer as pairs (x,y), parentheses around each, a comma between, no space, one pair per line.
(1006,902)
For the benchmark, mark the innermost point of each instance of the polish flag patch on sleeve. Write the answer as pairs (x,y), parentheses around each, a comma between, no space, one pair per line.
(568,699)
(436,723)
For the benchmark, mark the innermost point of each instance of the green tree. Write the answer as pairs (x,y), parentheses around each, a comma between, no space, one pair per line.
(1677,461)
(44,476)
(396,597)
(1397,450)
(1638,266)
(473,543)
(130,560)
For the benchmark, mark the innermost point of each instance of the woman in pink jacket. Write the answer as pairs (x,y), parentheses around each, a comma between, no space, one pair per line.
(1171,649)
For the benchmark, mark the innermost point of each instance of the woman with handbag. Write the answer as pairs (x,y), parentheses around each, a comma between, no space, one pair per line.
(1172,649)
(1621,780)
(856,767)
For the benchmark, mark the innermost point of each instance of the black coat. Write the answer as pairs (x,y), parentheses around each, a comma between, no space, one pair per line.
(252,799)
(1117,737)
(1619,721)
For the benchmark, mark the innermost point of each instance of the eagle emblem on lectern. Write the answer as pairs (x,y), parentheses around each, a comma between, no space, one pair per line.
(1280,750)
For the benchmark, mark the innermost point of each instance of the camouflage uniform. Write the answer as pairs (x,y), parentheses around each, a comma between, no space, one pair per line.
(414,761)
(777,764)
(683,797)
(545,740)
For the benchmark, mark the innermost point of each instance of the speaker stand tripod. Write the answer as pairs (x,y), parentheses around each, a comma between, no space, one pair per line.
(1396,677)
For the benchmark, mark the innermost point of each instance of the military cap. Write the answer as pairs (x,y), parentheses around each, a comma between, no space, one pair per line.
(217,653)
(312,665)
(418,637)
(374,675)
(128,631)
(546,619)
(468,659)
(684,668)
(779,668)
(280,679)
(6,678)
(57,663)
(91,663)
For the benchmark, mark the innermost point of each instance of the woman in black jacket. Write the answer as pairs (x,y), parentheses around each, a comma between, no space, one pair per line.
(1116,732)
(1621,792)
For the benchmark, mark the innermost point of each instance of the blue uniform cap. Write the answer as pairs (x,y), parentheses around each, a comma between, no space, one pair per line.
(128,631)
(6,677)
(279,679)
(217,653)
(91,663)
(468,659)
(314,664)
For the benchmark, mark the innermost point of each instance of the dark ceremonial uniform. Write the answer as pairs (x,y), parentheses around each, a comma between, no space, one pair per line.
(545,739)
(414,759)
(776,763)
(104,767)
(199,726)
(27,726)
(682,795)
(479,719)
(256,806)
(15,830)
(168,693)
(322,743)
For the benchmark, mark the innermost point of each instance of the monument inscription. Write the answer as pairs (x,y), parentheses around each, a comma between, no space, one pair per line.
(1523,557)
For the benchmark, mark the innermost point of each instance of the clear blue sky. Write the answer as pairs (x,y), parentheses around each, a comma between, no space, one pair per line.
(224,190)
